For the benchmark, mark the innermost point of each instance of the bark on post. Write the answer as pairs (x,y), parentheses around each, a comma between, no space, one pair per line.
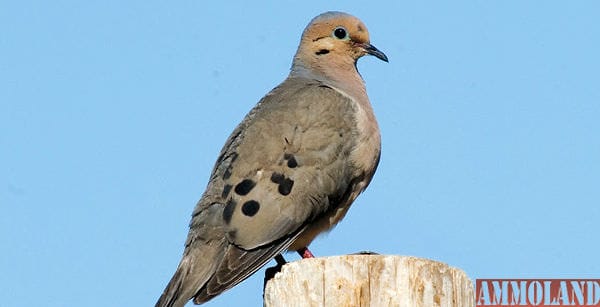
(369,280)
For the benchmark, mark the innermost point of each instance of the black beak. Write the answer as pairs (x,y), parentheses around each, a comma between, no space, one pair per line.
(370,49)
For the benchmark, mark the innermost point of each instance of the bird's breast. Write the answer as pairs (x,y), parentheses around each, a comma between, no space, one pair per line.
(363,158)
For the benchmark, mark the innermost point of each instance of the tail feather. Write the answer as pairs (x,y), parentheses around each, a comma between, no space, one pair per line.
(171,296)
(197,266)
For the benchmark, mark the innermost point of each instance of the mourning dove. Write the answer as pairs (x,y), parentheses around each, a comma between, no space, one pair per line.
(291,168)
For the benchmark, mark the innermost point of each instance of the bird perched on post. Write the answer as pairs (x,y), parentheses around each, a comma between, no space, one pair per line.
(291,168)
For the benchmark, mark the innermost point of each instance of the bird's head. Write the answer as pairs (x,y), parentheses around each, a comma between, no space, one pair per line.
(336,39)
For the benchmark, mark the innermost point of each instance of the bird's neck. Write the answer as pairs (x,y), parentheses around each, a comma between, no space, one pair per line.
(346,79)
(341,75)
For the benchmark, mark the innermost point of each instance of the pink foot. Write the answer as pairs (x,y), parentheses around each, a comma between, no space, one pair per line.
(305,253)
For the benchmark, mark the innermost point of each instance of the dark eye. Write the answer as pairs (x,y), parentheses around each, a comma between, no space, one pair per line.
(340,33)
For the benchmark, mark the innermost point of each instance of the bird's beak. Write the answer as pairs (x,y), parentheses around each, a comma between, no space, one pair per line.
(370,49)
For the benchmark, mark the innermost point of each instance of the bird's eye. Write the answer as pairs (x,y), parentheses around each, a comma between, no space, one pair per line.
(340,33)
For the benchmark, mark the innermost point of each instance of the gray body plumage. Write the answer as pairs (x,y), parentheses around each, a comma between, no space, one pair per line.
(308,151)
(289,171)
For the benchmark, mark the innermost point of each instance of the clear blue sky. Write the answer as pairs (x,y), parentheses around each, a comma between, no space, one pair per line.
(112,114)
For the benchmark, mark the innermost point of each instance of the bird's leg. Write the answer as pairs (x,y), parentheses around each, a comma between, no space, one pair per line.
(305,253)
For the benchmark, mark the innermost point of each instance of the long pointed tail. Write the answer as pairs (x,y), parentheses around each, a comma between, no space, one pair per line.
(197,266)
(172,296)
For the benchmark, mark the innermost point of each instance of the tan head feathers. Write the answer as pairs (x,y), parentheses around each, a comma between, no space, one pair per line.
(334,37)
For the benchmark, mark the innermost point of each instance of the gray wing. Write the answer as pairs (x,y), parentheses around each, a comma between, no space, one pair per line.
(276,174)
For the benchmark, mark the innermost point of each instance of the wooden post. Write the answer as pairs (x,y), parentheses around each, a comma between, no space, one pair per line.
(369,280)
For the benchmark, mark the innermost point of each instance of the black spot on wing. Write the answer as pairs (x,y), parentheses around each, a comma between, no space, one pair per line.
(250,208)
(291,160)
(226,190)
(285,184)
(244,187)
(277,178)
(227,172)
(228,211)
(285,187)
